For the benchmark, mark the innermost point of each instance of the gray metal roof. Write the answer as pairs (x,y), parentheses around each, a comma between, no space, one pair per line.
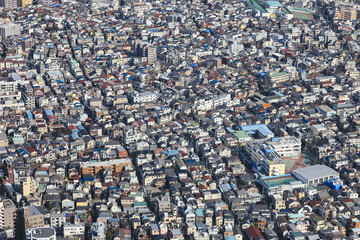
(316,171)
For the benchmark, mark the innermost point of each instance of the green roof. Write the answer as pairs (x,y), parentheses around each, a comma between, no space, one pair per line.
(257,6)
(299,9)
(199,212)
(140,204)
(285,10)
(134,195)
(241,134)
(278,74)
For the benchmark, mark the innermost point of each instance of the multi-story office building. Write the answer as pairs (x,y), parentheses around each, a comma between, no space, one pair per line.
(264,158)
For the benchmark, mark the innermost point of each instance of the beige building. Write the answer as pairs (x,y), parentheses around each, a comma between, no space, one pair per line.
(265,157)
(4,142)
(28,185)
(347,14)
(24,3)
(7,216)
(278,202)
(33,218)
(275,79)
(116,166)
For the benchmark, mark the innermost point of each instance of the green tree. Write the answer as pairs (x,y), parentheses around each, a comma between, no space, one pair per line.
(110,234)
(48,206)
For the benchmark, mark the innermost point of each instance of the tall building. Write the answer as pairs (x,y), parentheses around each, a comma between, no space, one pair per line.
(151,54)
(9,171)
(24,3)
(8,4)
(28,96)
(27,185)
(7,217)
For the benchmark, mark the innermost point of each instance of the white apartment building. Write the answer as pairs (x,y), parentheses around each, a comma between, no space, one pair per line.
(143,97)
(57,220)
(326,111)
(222,99)
(308,98)
(98,231)
(286,146)
(72,230)
(132,136)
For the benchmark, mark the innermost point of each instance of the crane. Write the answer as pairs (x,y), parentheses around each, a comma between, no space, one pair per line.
(5,19)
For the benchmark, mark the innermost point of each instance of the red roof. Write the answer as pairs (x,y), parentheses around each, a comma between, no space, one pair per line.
(254,233)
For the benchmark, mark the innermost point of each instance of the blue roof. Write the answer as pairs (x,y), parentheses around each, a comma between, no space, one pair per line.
(74,135)
(171,152)
(49,112)
(190,160)
(89,178)
(75,131)
(230,238)
(262,128)
(229,129)
(42,173)
(199,212)
(304,120)
(23,151)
